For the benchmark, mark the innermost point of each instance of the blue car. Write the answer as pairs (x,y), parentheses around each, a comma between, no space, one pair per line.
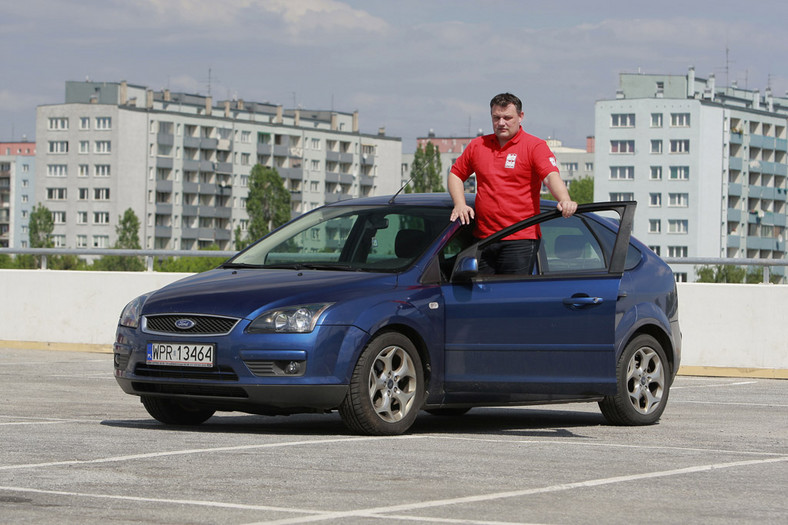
(376,308)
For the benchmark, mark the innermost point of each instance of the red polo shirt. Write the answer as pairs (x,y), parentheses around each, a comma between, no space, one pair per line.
(508,180)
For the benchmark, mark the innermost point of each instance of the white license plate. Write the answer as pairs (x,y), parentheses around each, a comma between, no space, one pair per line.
(180,354)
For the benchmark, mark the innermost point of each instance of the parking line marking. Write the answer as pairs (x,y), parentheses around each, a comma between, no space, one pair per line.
(382,512)
(718,385)
(182,452)
(199,503)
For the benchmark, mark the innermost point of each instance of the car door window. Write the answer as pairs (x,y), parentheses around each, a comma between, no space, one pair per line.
(569,246)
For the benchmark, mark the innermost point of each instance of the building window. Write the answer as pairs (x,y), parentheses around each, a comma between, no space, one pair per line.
(680,120)
(622,120)
(84,146)
(316,144)
(589,166)
(678,226)
(656,120)
(622,146)
(82,217)
(679,173)
(654,249)
(315,165)
(678,200)
(246,137)
(58,146)
(103,122)
(654,226)
(101,241)
(656,146)
(57,170)
(84,122)
(101,194)
(655,173)
(622,197)
(83,194)
(101,170)
(58,123)
(100,217)
(677,251)
(245,159)
(59,217)
(655,200)
(56,194)
(680,146)
(103,146)
(82,241)
(622,172)
(59,241)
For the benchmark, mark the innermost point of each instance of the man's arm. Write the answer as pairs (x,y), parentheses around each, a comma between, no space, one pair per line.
(566,205)
(457,191)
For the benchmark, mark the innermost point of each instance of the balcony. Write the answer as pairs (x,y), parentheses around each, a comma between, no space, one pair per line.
(165,139)
(164,162)
(263,148)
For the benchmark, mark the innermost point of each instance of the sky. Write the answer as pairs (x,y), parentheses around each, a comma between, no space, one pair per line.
(410,66)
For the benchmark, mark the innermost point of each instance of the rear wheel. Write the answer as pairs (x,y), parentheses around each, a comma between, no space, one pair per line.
(643,384)
(172,412)
(386,388)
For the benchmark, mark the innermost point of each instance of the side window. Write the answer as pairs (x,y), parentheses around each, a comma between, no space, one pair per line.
(569,246)
(448,256)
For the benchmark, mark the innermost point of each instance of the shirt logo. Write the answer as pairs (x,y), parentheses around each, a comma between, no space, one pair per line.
(552,161)
(510,159)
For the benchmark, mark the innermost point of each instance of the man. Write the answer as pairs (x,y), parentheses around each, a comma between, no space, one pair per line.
(510,166)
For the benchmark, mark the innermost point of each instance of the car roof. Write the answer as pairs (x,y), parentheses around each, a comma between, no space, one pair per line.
(442,200)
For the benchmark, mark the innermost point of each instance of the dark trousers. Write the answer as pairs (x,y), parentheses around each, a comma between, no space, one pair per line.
(509,257)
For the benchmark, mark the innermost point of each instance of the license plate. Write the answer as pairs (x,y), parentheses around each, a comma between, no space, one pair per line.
(180,354)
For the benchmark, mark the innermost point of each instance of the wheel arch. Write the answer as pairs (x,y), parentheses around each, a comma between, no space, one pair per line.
(658,333)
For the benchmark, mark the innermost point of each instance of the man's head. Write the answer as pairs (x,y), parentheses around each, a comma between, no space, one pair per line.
(506,111)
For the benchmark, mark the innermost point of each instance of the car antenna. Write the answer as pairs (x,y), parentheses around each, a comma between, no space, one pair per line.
(391,200)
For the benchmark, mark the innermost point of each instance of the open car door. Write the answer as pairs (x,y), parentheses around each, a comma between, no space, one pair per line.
(512,336)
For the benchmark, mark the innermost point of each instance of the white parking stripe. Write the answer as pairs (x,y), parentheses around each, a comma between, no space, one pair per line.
(717,385)
(196,451)
(383,512)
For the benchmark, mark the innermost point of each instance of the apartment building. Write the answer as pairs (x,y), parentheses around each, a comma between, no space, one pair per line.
(17,192)
(182,162)
(707,165)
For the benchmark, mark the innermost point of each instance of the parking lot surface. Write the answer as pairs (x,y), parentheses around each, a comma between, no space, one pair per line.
(75,449)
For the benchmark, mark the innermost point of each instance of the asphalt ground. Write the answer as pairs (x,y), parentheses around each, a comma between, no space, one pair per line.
(75,449)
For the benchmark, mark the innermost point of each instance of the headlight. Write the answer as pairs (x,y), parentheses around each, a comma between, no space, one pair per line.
(130,317)
(290,319)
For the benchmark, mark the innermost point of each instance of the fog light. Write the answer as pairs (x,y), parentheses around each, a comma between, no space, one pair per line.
(292,368)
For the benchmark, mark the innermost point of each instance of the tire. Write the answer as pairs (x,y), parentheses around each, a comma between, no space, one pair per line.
(171,412)
(386,387)
(643,384)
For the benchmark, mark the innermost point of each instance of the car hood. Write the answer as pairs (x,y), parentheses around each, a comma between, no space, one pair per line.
(242,293)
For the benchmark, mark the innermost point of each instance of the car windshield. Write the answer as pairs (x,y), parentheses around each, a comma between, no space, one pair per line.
(351,238)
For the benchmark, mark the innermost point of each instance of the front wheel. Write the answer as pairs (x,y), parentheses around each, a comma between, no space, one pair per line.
(386,388)
(171,412)
(642,384)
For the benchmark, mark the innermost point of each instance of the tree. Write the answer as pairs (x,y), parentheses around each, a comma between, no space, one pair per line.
(720,273)
(426,171)
(128,239)
(40,227)
(268,202)
(582,190)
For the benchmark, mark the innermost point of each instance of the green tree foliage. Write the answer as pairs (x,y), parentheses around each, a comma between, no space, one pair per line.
(582,190)
(426,171)
(40,227)
(268,203)
(128,239)
(720,273)
(189,264)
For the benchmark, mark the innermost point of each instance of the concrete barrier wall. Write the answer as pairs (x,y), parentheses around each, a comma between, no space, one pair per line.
(732,329)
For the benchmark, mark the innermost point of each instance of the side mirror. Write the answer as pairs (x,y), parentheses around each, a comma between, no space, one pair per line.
(466,269)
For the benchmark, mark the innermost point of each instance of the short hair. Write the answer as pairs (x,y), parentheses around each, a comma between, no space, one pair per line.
(504,99)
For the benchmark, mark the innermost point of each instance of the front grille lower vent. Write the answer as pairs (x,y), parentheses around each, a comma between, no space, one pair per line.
(168,372)
(185,324)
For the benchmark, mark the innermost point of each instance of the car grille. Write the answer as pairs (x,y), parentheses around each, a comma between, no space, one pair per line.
(211,374)
(203,324)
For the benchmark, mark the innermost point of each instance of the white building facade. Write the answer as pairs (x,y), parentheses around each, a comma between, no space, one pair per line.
(706,165)
(182,163)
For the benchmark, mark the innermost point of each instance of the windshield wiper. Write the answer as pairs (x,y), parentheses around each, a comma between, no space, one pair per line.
(231,265)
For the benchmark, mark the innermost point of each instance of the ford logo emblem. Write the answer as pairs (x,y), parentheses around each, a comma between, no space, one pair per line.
(184,324)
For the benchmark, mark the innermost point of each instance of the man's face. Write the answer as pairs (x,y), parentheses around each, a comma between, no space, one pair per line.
(506,122)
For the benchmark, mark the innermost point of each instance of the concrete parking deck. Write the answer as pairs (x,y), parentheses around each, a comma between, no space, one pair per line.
(78,450)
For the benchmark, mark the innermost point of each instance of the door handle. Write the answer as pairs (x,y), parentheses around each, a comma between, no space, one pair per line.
(582,301)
